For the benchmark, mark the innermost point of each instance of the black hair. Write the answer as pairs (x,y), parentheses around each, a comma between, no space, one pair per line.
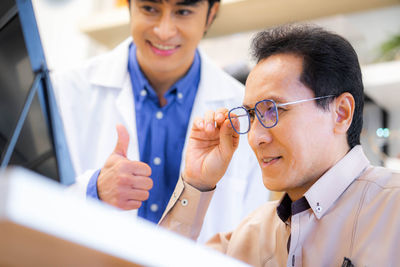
(330,65)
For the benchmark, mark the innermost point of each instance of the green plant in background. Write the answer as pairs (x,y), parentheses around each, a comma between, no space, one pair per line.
(390,50)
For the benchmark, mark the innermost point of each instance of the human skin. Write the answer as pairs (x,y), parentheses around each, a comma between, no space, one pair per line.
(307,141)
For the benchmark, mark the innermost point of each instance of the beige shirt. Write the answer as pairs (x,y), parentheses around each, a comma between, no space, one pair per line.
(354,213)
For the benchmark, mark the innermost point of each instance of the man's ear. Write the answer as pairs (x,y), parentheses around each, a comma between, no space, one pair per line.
(211,15)
(343,111)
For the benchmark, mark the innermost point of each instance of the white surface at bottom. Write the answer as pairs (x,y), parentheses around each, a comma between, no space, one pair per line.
(32,201)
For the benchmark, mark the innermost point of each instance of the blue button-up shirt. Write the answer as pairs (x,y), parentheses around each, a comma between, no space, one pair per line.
(161,132)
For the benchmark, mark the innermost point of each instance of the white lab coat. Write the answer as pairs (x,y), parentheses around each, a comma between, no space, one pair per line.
(96,96)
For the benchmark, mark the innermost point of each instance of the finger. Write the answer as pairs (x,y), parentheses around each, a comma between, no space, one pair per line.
(220,116)
(140,195)
(140,168)
(209,121)
(121,147)
(131,205)
(229,139)
(234,122)
(135,168)
(141,182)
(198,124)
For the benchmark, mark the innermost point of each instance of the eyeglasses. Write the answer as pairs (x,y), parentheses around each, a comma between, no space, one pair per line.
(265,110)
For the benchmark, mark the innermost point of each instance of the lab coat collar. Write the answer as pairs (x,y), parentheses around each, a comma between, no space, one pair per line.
(114,74)
(212,89)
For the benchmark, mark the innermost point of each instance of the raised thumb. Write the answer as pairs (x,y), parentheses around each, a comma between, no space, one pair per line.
(123,140)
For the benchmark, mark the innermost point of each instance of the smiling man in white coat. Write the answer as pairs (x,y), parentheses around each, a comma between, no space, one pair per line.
(126,115)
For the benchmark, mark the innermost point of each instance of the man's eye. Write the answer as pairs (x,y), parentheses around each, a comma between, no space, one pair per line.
(184,12)
(149,9)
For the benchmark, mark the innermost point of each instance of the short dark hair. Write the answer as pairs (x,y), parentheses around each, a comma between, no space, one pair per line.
(330,64)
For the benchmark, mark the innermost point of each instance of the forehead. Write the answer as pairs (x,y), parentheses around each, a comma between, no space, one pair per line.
(276,77)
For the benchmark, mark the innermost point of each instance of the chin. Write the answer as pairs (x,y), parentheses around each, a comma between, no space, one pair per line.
(273,184)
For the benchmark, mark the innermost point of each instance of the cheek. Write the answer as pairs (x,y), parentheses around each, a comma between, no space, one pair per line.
(296,140)
(192,30)
(251,141)
(135,31)
(306,143)
(191,38)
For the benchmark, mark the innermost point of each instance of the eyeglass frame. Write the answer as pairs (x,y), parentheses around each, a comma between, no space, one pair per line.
(276,111)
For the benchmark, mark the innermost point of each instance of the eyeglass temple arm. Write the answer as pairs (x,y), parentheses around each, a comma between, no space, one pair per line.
(304,100)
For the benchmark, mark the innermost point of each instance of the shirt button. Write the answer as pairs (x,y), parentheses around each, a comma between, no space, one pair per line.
(184,202)
(157,161)
(319,208)
(143,92)
(180,95)
(154,207)
(159,115)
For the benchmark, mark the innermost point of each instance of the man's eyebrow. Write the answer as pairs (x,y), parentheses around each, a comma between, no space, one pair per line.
(181,3)
(276,99)
(152,1)
(189,2)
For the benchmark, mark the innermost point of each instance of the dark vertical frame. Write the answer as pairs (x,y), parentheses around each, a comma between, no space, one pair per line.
(43,89)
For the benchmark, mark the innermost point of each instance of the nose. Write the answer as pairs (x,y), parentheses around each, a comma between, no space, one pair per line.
(165,28)
(258,135)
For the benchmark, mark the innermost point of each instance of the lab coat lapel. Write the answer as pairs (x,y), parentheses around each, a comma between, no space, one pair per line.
(115,76)
(211,94)
(126,108)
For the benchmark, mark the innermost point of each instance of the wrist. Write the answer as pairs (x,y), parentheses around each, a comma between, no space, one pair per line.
(203,187)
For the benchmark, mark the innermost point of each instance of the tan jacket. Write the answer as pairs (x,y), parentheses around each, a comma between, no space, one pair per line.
(355,213)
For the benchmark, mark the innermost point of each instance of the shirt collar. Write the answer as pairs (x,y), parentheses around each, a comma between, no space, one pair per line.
(142,88)
(190,81)
(288,208)
(327,189)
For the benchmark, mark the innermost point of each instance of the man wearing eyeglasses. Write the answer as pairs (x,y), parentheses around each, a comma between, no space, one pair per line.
(302,114)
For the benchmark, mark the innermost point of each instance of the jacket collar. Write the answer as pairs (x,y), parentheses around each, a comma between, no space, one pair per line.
(323,194)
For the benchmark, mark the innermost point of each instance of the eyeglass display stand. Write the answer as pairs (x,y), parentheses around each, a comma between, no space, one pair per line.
(43,225)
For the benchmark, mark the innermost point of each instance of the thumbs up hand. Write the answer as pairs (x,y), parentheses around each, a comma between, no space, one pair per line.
(124,183)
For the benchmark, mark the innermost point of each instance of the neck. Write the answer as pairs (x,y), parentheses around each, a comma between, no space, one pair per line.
(338,152)
(161,81)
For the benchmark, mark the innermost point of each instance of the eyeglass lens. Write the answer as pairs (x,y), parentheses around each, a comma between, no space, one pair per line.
(267,113)
(241,120)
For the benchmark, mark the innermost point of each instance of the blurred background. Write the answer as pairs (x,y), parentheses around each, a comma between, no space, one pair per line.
(73,31)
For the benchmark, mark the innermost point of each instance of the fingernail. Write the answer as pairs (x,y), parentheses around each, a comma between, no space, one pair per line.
(210,127)
(219,116)
(200,125)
